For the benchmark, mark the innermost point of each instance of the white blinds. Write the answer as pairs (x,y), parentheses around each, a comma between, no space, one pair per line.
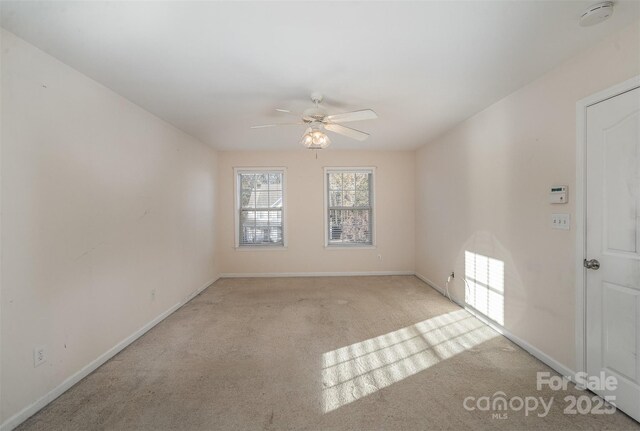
(350,207)
(260,208)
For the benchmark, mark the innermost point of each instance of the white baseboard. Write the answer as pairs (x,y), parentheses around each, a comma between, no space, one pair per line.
(312,274)
(537,353)
(33,408)
(36,406)
(199,290)
(437,288)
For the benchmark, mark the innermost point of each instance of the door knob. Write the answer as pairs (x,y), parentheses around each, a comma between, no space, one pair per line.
(591,264)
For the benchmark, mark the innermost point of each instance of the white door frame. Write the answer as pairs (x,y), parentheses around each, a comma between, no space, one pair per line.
(581,210)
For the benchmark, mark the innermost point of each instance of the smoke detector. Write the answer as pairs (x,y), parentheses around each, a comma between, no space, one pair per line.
(596,13)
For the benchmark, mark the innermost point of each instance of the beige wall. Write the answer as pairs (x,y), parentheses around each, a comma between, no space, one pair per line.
(483,187)
(102,202)
(394,213)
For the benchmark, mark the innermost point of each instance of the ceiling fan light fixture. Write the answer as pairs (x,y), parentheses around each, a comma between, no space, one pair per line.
(314,139)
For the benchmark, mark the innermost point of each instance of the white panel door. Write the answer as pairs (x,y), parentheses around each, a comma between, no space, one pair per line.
(613,240)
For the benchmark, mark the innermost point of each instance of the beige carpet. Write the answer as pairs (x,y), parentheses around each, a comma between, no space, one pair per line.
(358,353)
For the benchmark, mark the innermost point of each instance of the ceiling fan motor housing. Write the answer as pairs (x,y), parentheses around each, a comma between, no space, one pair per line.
(313,115)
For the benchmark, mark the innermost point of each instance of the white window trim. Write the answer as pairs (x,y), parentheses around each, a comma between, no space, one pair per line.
(325,218)
(236,208)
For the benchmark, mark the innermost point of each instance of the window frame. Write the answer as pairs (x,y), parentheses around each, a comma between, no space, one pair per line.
(372,197)
(237,171)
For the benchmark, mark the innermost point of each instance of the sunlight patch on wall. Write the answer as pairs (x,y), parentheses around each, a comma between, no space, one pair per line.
(484,288)
(358,370)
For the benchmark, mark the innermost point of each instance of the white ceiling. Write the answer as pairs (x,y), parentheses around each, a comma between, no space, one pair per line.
(214,69)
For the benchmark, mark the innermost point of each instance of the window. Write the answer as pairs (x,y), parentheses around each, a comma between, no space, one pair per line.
(349,206)
(260,206)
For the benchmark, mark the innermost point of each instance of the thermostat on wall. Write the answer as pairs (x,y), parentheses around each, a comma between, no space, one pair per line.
(558,195)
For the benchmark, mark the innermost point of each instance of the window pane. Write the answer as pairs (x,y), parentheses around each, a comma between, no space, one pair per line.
(248,181)
(261,227)
(245,197)
(247,227)
(275,198)
(246,218)
(349,226)
(275,218)
(335,181)
(335,199)
(349,181)
(275,179)
(362,198)
(275,234)
(348,198)
(262,218)
(259,198)
(247,185)
(261,191)
(362,182)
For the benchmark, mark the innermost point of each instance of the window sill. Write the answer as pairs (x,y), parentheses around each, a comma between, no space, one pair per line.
(350,247)
(262,248)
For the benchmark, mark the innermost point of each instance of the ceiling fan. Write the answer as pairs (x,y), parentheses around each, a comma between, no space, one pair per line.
(317,120)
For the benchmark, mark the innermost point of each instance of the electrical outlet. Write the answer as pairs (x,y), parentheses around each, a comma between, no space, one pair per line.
(39,356)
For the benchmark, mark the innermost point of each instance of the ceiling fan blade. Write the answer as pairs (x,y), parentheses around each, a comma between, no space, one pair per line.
(262,126)
(365,114)
(287,112)
(347,131)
